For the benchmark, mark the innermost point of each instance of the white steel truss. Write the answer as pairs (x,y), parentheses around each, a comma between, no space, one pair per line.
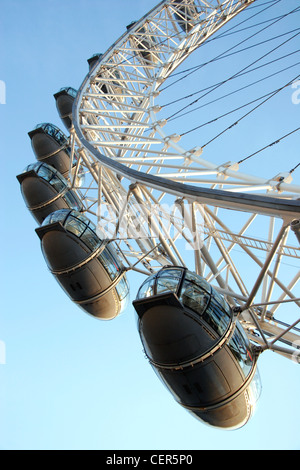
(165,204)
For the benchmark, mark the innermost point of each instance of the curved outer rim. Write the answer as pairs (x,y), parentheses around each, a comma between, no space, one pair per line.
(265,205)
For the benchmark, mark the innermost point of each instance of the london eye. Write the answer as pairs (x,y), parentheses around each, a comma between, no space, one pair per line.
(129,190)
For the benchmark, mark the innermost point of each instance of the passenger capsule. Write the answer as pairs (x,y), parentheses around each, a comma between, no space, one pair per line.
(185,15)
(93,60)
(145,43)
(51,145)
(112,87)
(198,348)
(45,190)
(87,267)
(64,103)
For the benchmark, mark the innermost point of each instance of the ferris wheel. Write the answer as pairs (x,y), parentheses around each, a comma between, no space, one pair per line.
(124,193)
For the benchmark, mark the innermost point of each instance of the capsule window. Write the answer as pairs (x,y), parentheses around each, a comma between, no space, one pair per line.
(168,282)
(254,389)
(81,229)
(56,217)
(194,297)
(122,288)
(109,263)
(221,301)
(194,292)
(173,273)
(49,174)
(44,172)
(72,201)
(71,91)
(217,317)
(147,289)
(54,132)
(197,294)
(57,183)
(83,219)
(90,239)
(241,349)
(75,226)
(197,280)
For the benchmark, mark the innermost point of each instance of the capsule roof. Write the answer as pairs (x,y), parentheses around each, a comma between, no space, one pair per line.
(44,171)
(68,90)
(64,102)
(169,279)
(92,60)
(191,290)
(51,130)
(66,218)
(78,224)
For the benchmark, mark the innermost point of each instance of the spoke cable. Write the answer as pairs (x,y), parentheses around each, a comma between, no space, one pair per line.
(270,94)
(234,75)
(231,54)
(226,33)
(249,112)
(271,145)
(295,167)
(241,88)
(276,20)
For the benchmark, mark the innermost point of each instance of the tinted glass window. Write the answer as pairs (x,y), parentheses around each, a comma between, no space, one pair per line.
(198,295)
(57,183)
(218,318)
(71,91)
(194,297)
(75,226)
(167,284)
(90,239)
(122,288)
(72,201)
(241,349)
(174,273)
(109,263)
(255,388)
(220,300)
(45,172)
(147,289)
(57,216)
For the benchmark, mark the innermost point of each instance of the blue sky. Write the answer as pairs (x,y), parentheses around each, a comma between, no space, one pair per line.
(69,381)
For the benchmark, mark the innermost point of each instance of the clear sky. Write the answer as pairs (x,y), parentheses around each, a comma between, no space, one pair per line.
(69,381)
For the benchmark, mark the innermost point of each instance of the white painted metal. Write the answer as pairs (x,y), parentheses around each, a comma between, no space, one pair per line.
(165,204)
